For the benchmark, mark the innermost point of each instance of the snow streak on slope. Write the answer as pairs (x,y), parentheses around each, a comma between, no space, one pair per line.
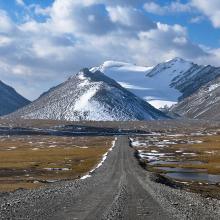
(89,96)
(10,100)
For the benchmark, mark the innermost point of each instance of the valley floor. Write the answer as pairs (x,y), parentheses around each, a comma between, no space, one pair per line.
(119,189)
(32,161)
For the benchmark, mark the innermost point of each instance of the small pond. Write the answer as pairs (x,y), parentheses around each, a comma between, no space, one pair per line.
(156,162)
(188,176)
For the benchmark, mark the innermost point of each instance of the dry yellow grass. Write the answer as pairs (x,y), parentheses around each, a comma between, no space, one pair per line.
(208,152)
(27,159)
(12,186)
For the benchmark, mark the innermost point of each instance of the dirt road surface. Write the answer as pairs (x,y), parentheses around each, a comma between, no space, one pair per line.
(119,189)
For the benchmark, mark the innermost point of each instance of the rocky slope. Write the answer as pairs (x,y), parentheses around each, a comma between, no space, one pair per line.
(203,104)
(89,96)
(10,100)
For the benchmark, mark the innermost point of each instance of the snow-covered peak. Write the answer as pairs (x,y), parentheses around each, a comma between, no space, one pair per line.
(176,59)
(123,66)
(90,96)
(172,68)
(179,62)
(109,64)
(112,63)
(155,90)
(161,85)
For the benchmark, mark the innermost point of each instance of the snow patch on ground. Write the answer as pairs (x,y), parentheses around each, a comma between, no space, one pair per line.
(138,144)
(213,87)
(52,146)
(192,154)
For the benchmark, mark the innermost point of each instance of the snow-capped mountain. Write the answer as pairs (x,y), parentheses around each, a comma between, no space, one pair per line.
(164,84)
(89,96)
(203,104)
(10,100)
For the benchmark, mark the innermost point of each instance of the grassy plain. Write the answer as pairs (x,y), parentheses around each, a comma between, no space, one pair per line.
(32,161)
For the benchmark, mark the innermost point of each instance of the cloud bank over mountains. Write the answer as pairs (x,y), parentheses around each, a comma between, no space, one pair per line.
(45,44)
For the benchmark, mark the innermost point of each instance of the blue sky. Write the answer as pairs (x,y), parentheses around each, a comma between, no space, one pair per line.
(198,32)
(43,42)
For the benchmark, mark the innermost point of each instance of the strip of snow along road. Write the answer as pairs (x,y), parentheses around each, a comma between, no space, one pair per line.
(102,161)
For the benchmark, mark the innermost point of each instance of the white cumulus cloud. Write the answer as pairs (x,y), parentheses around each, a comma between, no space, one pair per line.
(36,55)
(210,8)
(173,7)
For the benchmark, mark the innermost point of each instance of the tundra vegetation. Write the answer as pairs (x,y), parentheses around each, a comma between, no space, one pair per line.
(34,161)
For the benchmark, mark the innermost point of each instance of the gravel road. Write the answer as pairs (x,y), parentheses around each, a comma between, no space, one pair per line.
(119,189)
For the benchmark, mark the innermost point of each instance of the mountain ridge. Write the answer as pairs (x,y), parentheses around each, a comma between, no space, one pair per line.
(178,87)
(10,99)
(203,104)
(162,85)
(89,96)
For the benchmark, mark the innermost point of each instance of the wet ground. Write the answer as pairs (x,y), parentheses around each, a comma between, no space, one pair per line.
(191,159)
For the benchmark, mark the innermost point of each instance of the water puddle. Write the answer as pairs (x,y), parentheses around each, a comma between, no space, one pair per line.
(189,176)
(158,162)
(179,169)
(162,155)
(57,169)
